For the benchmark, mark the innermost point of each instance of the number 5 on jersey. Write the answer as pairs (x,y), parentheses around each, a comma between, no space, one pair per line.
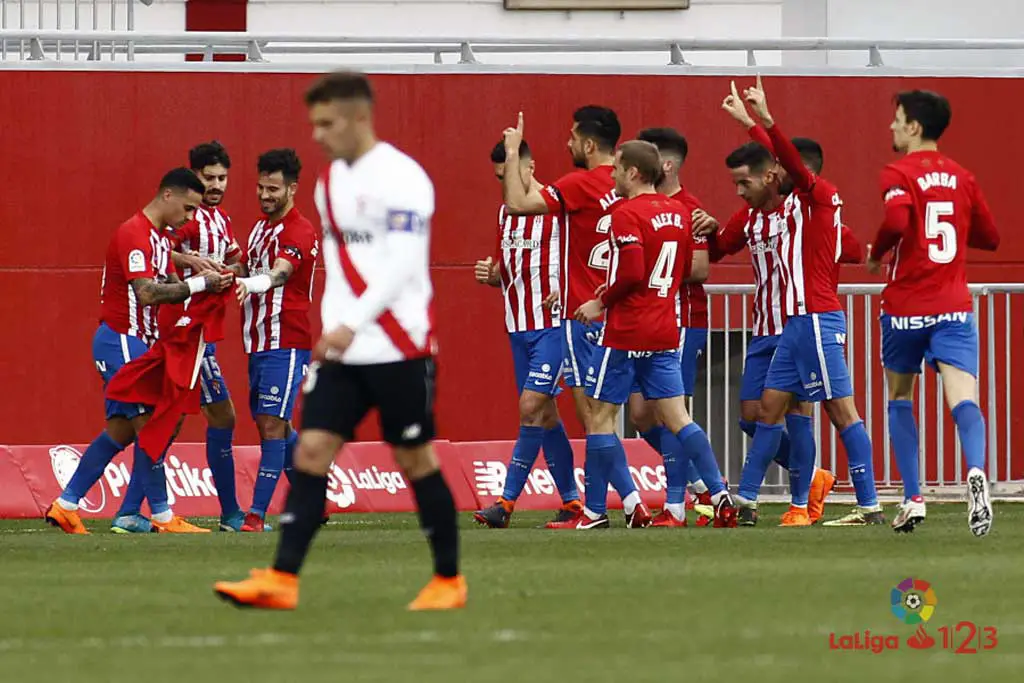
(936,228)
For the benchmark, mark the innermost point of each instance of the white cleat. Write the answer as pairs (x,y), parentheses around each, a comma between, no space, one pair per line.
(979,507)
(910,515)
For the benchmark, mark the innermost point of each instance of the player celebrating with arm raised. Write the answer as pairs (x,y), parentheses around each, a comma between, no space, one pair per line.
(934,211)
(377,350)
(809,361)
(275,298)
(583,199)
(651,248)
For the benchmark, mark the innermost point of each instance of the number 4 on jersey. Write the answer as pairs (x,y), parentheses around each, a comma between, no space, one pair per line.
(664,267)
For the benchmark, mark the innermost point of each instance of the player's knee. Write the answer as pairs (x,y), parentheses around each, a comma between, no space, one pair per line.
(271,427)
(417,462)
(220,415)
(120,431)
(773,407)
(842,412)
(550,418)
(315,451)
(532,408)
(750,411)
(804,408)
(640,413)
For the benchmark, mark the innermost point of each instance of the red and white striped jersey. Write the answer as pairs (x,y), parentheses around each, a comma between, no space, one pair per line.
(137,250)
(528,262)
(759,233)
(376,216)
(279,318)
(209,234)
(692,304)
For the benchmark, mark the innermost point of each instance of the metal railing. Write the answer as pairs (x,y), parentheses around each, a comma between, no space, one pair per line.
(716,400)
(84,18)
(44,43)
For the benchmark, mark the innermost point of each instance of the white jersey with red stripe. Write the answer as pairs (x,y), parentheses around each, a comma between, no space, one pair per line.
(376,217)
(209,234)
(528,264)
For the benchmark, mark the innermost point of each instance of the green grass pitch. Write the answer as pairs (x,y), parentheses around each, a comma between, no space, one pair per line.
(630,606)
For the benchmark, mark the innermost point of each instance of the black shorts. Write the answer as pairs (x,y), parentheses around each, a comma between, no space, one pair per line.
(337,398)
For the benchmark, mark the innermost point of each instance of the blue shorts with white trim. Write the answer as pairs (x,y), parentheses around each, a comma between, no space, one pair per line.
(949,338)
(274,379)
(656,373)
(111,351)
(579,349)
(537,358)
(810,360)
(212,388)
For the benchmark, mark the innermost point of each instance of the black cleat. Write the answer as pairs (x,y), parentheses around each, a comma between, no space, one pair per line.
(746,516)
(495,516)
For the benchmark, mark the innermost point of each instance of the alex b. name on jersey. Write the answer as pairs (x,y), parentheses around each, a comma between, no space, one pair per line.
(920,322)
(667,220)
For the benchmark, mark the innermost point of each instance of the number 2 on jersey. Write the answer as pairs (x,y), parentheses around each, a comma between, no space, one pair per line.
(664,267)
(936,228)
(600,255)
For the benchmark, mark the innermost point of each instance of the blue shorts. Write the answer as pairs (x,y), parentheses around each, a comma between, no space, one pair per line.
(110,351)
(950,338)
(537,359)
(274,378)
(811,358)
(579,351)
(656,372)
(692,342)
(755,366)
(211,381)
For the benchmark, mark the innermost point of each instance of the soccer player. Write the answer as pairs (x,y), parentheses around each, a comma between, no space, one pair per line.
(762,241)
(651,248)
(377,348)
(583,200)
(809,362)
(275,298)
(527,272)
(934,211)
(692,319)
(136,279)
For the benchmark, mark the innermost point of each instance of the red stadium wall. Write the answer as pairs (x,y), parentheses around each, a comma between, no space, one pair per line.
(83,150)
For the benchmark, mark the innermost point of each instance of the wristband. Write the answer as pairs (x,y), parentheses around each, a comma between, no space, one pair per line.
(196,284)
(257,284)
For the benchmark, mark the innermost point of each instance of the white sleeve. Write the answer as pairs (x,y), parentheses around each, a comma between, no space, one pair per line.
(407,241)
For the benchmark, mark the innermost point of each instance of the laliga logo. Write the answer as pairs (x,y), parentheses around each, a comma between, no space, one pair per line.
(339,488)
(64,461)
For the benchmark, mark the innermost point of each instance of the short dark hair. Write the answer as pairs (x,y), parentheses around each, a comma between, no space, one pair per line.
(181,179)
(284,160)
(600,124)
(752,154)
(667,140)
(208,154)
(498,153)
(340,85)
(930,109)
(810,152)
(644,157)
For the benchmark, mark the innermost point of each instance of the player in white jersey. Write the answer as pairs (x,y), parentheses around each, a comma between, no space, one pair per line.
(377,348)
(527,271)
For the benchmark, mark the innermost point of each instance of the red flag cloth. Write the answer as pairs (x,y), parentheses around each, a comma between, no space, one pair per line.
(165,376)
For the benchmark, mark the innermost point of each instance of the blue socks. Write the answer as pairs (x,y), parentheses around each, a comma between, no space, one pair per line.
(289,454)
(765,446)
(677,464)
(800,458)
(618,468)
(600,453)
(698,449)
(148,482)
(782,456)
(905,444)
(523,456)
(90,468)
(222,467)
(971,425)
(558,454)
(858,455)
(271,465)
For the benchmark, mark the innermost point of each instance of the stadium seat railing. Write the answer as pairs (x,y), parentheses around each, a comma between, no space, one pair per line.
(999,311)
(97,46)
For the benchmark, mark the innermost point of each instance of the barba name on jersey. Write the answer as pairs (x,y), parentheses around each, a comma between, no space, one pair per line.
(528,264)
(279,318)
(376,216)
(209,234)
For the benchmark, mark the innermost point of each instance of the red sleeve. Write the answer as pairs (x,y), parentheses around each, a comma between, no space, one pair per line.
(295,244)
(759,135)
(852,251)
(135,255)
(898,202)
(791,160)
(625,235)
(729,239)
(983,233)
(565,193)
(233,248)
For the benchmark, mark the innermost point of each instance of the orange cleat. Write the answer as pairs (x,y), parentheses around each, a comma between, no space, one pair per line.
(667,519)
(795,516)
(67,521)
(265,589)
(821,485)
(441,593)
(178,525)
